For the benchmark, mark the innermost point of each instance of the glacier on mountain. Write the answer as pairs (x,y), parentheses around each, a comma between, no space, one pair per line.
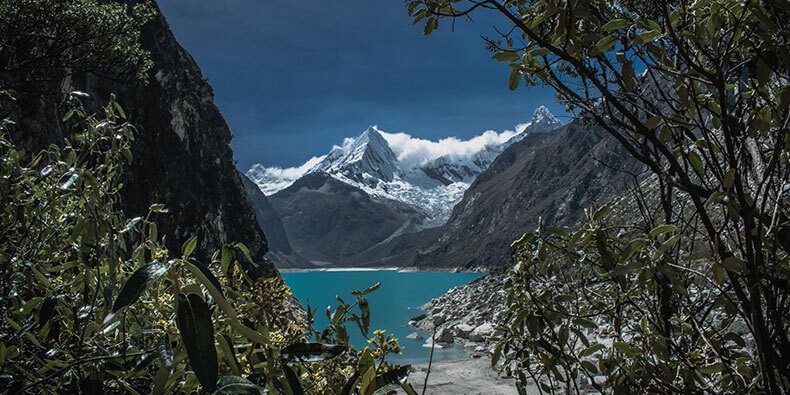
(430,176)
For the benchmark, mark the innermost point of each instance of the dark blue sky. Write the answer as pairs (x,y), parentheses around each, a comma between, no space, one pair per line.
(292,78)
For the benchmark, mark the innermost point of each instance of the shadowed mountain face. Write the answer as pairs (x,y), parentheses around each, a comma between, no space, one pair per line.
(554,176)
(280,250)
(182,154)
(327,220)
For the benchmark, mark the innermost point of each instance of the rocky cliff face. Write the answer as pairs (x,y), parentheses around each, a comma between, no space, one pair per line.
(550,175)
(182,154)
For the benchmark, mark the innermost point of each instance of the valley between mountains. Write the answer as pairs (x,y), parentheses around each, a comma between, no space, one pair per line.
(389,200)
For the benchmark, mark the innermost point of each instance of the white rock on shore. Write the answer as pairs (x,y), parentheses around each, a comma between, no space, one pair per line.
(465,314)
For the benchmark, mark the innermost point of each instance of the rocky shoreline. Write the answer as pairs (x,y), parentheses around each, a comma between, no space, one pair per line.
(466,315)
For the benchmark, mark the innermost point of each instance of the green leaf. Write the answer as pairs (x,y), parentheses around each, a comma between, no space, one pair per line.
(160,380)
(228,253)
(164,350)
(430,26)
(119,109)
(514,78)
(647,36)
(606,43)
(632,248)
(585,323)
(189,247)
(615,24)
(141,279)
(293,380)
(408,389)
(366,361)
(392,380)
(666,246)
(713,368)
(153,231)
(193,319)
(364,307)
(348,388)
(591,350)
(226,345)
(696,162)
(368,384)
(506,56)
(249,333)
(367,290)
(627,349)
(132,223)
(734,264)
(311,352)
(207,278)
(158,208)
(661,229)
(238,386)
(589,366)
(245,251)
(602,212)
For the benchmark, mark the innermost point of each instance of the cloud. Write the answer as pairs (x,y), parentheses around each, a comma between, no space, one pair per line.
(412,151)
(273,179)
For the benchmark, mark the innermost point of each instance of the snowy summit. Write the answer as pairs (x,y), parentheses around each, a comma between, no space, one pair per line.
(428,175)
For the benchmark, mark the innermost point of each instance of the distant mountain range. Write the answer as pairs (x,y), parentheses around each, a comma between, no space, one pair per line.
(429,176)
(553,177)
(365,201)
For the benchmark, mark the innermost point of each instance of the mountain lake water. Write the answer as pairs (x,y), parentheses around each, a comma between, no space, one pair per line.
(391,306)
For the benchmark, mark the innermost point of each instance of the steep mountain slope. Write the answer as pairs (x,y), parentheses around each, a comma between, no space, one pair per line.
(182,154)
(366,202)
(429,176)
(280,250)
(554,176)
(327,220)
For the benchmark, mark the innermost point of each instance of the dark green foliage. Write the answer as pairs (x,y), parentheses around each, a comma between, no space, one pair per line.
(693,282)
(193,319)
(293,382)
(95,302)
(232,385)
(42,40)
(311,352)
(141,279)
(392,380)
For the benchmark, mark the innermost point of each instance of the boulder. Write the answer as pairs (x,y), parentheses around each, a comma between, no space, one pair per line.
(482,332)
(419,317)
(463,330)
(414,336)
(444,335)
(438,319)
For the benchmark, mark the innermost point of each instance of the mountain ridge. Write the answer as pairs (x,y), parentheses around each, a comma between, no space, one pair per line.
(432,185)
(552,177)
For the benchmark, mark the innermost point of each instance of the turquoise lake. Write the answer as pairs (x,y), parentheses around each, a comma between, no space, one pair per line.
(399,298)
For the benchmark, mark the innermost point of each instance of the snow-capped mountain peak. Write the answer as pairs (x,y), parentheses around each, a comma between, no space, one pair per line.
(543,121)
(428,175)
(368,155)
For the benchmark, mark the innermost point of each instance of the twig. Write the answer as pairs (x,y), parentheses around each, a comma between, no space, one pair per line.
(430,361)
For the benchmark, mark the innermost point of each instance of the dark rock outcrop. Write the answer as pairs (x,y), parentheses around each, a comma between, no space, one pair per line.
(280,250)
(182,153)
(553,176)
